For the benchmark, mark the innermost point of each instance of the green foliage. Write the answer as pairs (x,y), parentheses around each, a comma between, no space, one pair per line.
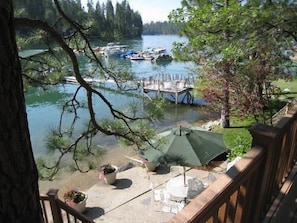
(40,162)
(54,142)
(77,156)
(74,195)
(290,84)
(139,130)
(239,148)
(161,28)
(155,108)
(104,21)
(237,138)
(45,173)
(240,48)
(62,27)
(43,69)
(287,84)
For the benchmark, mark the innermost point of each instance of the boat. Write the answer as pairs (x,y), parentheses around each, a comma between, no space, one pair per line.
(136,57)
(158,54)
(163,58)
(148,56)
(159,50)
(128,54)
(114,49)
(99,51)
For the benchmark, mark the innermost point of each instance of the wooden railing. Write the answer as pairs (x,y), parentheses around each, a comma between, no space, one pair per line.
(278,116)
(246,191)
(56,211)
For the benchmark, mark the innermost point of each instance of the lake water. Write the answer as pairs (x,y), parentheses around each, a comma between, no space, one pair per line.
(44,107)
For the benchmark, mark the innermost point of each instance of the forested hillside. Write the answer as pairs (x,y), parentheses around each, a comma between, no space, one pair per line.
(102,21)
(160,28)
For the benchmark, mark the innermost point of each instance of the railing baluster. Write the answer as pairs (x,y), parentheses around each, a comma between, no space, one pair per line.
(57,207)
(43,207)
(56,212)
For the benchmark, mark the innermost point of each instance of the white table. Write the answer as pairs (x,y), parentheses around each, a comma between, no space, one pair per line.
(179,191)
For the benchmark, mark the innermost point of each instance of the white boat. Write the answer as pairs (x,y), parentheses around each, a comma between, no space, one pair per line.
(148,56)
(136,57)
(159,50)
(157,54)
(112,49)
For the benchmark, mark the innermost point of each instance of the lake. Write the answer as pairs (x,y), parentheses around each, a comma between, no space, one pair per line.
(44,107)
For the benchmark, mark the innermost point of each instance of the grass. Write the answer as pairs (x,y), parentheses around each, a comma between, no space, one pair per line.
(291,85)
(238,138)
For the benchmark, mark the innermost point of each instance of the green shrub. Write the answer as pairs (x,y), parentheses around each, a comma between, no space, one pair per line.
(240,146)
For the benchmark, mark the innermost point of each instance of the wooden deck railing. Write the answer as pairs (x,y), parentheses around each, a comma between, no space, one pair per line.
(56,211)
(280,114)
(246,191)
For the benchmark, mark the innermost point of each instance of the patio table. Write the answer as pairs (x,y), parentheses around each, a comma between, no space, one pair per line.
(179,191)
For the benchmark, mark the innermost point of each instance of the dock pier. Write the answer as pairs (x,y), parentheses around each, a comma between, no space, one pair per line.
(167,85)
(160,84)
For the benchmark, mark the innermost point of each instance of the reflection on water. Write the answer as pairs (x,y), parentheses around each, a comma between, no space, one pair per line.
(44,107)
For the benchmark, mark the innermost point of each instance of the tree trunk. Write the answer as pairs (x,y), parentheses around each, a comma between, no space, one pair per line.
(19,194)
(225,112)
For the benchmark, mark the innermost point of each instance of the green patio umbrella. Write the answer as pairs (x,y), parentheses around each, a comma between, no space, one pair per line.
(186,147)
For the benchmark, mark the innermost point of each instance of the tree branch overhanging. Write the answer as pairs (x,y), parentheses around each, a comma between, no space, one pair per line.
(128,133)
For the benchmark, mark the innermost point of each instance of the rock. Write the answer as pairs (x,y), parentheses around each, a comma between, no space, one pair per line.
(210,125)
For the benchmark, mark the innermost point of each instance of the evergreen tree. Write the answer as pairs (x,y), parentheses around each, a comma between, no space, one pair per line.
(137,25)
(110,20)
(239,47)
(161,28)
(102,21)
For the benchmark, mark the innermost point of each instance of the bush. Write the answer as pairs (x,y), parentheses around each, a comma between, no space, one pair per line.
(239,148)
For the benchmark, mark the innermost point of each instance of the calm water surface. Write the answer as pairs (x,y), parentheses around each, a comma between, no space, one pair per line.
(44,107)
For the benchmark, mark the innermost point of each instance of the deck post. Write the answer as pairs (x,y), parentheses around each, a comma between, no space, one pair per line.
(56,212)
(270,138)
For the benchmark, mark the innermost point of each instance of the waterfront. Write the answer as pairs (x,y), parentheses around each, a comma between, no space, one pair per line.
(44,107)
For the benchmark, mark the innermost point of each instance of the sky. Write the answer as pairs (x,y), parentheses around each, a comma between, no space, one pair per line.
(150,10)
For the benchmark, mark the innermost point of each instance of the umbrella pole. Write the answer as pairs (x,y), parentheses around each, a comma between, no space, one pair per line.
(185,184)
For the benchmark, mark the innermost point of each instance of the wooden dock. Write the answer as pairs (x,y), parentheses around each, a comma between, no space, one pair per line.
(89,80)
(160,84)
(165,84)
